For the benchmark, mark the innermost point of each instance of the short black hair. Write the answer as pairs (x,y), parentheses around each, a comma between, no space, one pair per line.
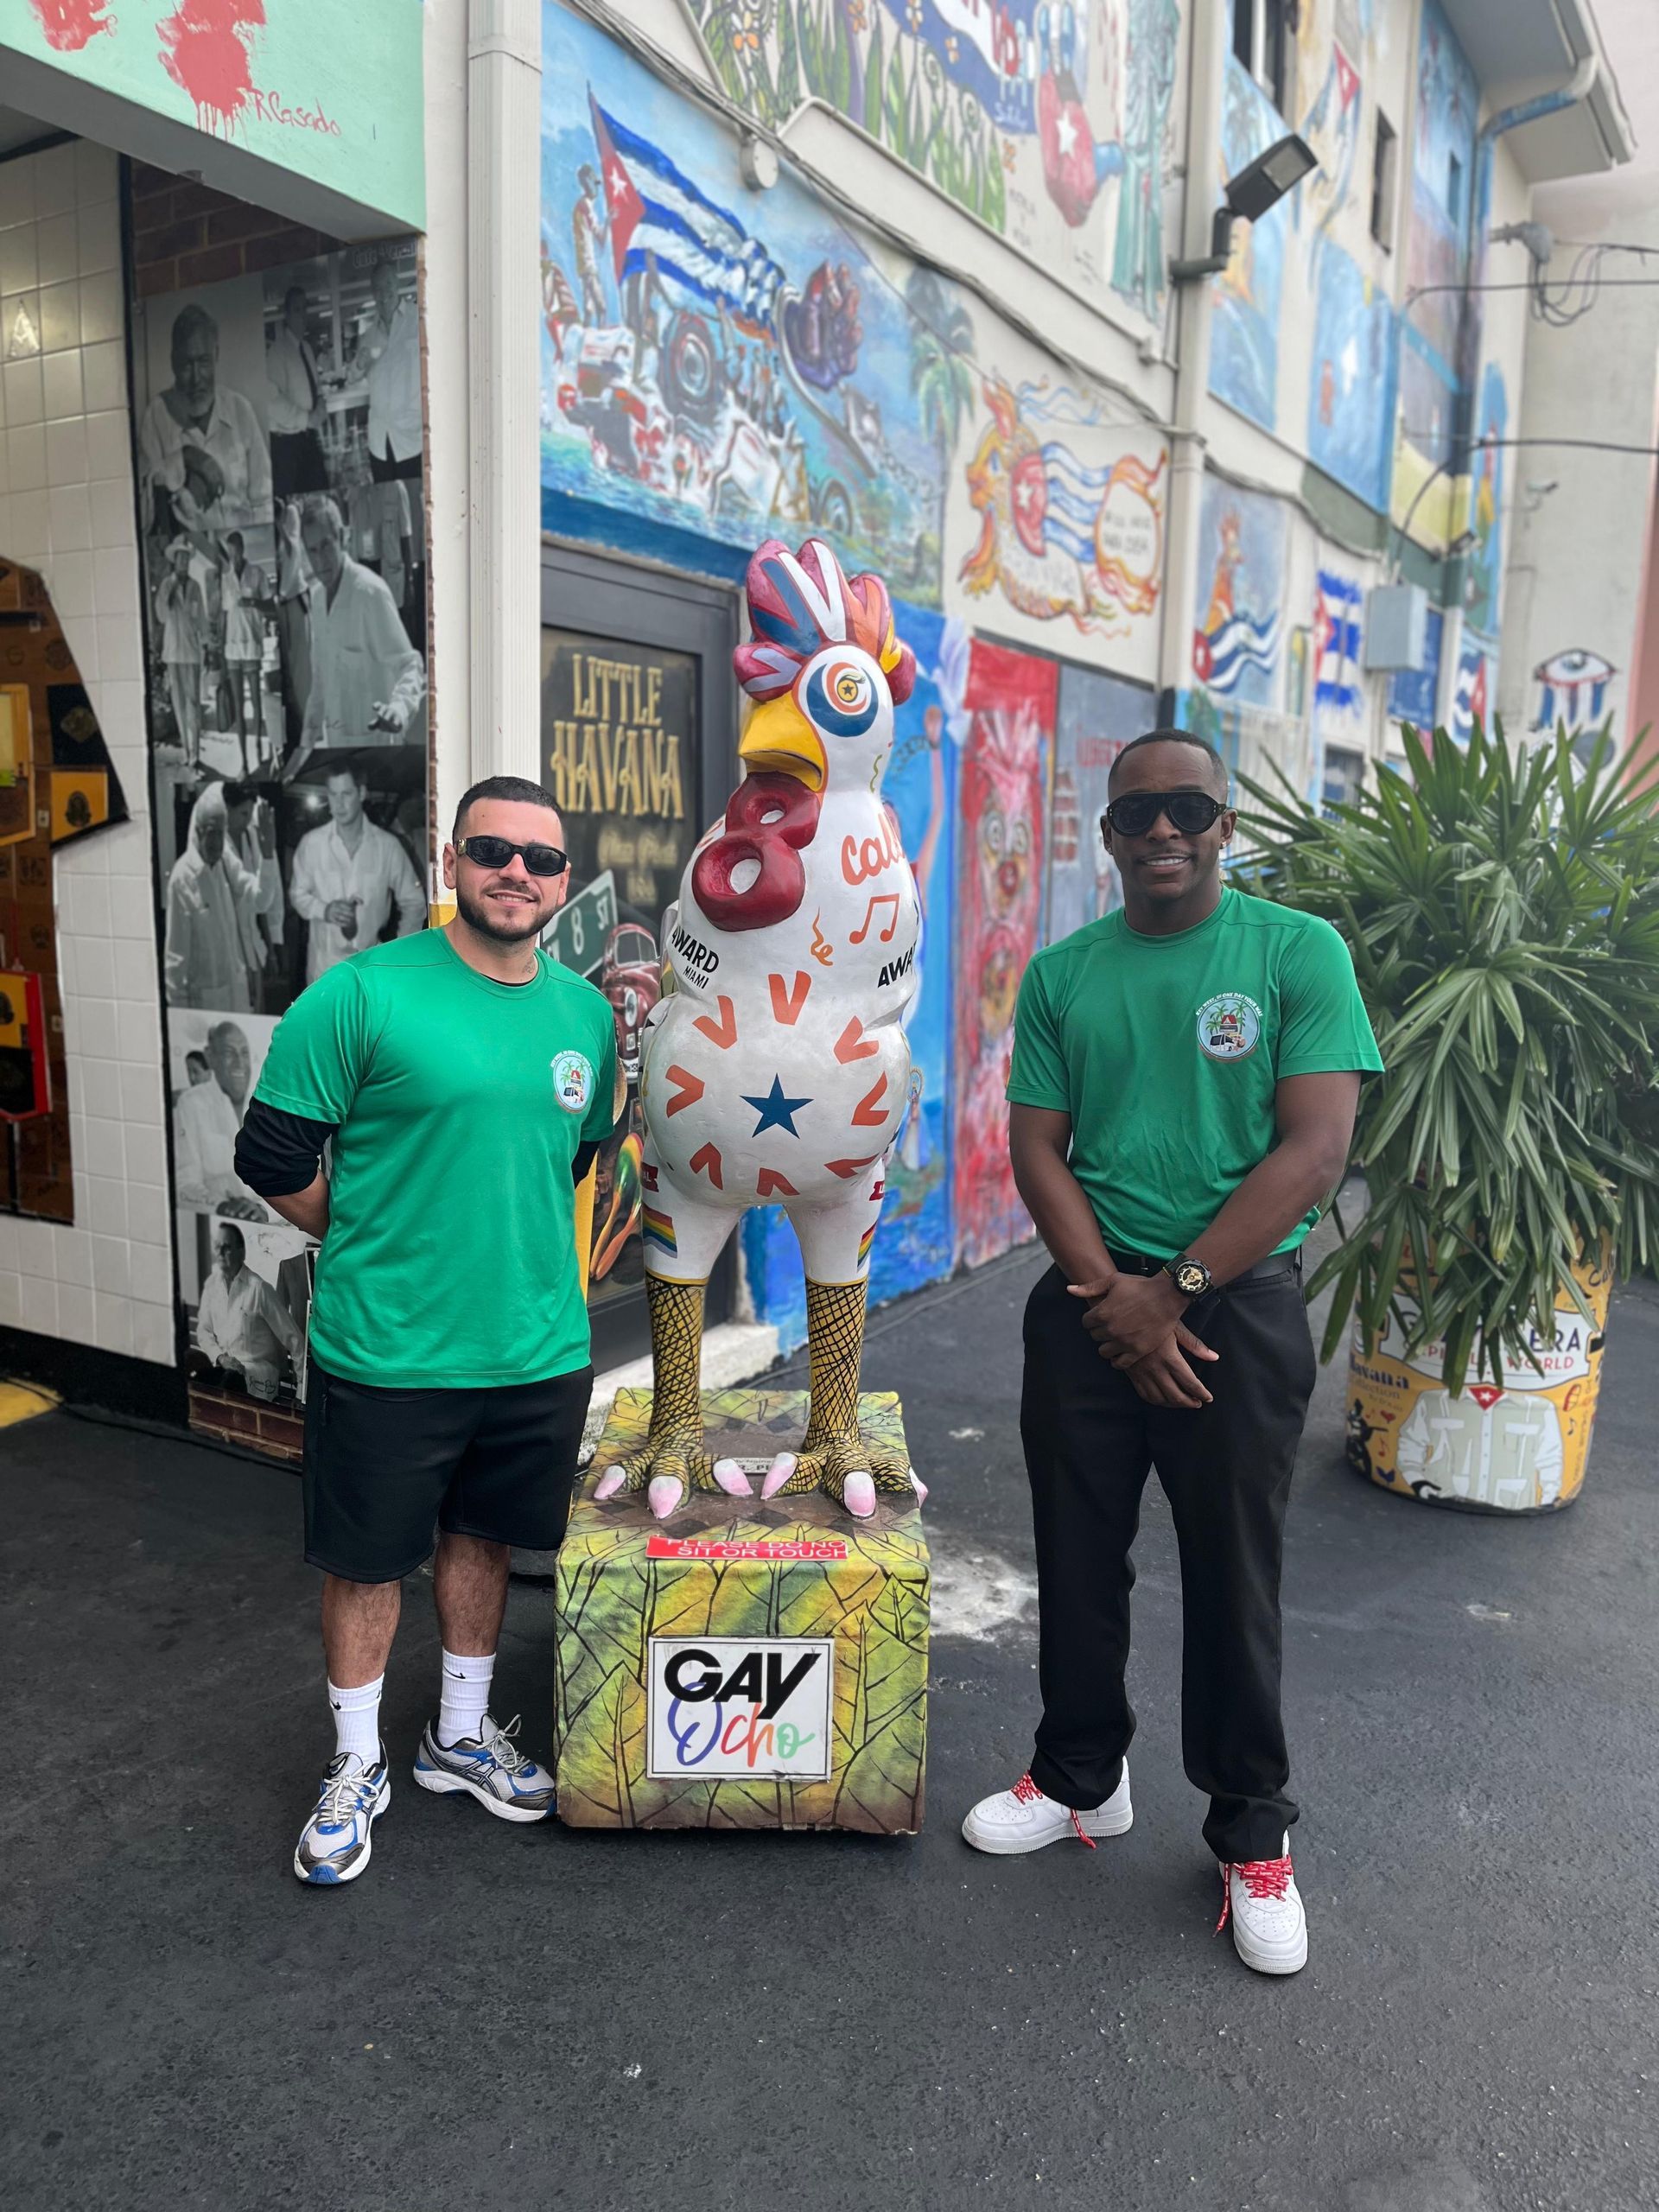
(237,792)
(1171,735)
(519,789)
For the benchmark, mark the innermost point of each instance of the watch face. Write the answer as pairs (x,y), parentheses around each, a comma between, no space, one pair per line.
(1191,1278)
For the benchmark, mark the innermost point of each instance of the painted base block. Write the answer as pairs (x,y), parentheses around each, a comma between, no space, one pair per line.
(761,1670)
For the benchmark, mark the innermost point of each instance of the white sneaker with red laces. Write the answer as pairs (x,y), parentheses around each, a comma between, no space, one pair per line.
(1270,1926)
(1023,1819)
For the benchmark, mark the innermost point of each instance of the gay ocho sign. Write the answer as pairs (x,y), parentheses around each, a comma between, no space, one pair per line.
(763,1671)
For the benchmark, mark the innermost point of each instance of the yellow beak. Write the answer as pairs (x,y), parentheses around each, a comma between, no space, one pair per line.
(780,740)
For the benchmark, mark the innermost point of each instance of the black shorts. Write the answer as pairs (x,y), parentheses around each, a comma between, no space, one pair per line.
(382,1467)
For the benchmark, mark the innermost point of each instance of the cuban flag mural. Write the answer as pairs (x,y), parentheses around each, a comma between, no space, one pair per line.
(1236,633)
(1469,700)
(1338,682)
(656,217)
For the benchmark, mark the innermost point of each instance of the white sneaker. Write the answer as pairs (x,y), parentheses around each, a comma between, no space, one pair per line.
(1023,1819)
(1265,1906)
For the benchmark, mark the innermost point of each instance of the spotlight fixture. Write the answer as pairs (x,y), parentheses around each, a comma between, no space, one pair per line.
(1259,185)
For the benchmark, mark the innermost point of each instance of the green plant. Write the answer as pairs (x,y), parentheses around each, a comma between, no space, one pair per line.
(1502,912)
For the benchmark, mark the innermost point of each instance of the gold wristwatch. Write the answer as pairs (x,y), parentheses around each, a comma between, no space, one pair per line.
(1190,1276)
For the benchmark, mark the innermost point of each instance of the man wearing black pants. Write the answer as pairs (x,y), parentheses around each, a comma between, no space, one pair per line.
(1184,1079)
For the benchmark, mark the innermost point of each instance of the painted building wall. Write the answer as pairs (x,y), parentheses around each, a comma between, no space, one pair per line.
(1581,625)
(851,350)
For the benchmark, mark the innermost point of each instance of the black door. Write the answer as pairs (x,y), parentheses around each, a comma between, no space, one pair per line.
(638,746)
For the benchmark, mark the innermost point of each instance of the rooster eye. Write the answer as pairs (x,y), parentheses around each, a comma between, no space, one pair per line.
(840,697)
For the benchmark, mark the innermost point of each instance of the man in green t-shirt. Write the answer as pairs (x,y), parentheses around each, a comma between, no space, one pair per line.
(462,1079)
(1185,1078)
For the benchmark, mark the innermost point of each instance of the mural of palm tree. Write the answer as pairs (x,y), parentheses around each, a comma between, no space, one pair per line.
(941,366)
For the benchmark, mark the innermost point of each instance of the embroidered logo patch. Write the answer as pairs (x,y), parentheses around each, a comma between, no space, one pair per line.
(573,1082)
(1228,1026)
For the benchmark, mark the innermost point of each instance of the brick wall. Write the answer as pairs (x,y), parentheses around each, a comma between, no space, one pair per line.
(184,234)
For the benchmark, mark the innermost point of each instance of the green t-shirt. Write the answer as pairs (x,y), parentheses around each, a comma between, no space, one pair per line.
(450,1256)
(1165,1051)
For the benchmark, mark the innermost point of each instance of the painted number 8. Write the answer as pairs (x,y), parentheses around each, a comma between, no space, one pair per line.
(752,876)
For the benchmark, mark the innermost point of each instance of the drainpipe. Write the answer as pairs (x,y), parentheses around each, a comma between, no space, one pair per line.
(1576,88)
(1208,49)
(504,167)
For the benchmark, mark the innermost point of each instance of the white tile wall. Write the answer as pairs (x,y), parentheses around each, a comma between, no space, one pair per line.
(66,509)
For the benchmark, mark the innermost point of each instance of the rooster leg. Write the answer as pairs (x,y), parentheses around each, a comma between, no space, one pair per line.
(834,1456)
(671,1462)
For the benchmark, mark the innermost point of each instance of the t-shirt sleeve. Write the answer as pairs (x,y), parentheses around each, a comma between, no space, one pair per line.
(320,1052)
(601,1115)
(1323,1025)
(1036,1072)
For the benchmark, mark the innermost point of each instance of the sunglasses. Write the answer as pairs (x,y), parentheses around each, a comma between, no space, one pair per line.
(1190,813)
(496,852)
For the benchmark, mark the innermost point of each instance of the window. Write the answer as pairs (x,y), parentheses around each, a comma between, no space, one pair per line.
(1263,40)
(1384,159)
(1454,187)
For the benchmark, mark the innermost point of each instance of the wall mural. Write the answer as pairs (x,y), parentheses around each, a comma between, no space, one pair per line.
(283,541)
(1098,716)
(1572,692)
(1068,510)
(1002,812)
(1477,680)
(1243,542)
(56,784)
(1436,251)
(719,361)
(1486,508)
(1051,124)
(1244,345)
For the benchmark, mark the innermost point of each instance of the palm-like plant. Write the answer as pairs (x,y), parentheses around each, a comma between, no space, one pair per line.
(941,357)
(1503,912)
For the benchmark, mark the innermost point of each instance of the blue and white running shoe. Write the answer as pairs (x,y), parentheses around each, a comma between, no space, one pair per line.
(488,1766)
(335,1842)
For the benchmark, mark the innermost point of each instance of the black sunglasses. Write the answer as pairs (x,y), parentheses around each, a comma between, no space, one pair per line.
(1190,813)
(496,852)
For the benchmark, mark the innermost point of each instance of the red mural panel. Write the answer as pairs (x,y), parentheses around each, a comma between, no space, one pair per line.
(1002,796)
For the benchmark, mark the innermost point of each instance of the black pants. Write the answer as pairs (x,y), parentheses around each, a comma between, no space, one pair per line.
(1089,1442)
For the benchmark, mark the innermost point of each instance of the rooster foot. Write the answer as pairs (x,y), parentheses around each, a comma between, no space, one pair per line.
(846,1469)
(668,1468)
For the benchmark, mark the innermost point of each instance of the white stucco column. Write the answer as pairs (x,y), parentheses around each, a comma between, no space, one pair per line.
(504,81)
(1209,35)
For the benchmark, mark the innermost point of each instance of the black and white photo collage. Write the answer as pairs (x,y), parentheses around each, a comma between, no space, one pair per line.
(284,561)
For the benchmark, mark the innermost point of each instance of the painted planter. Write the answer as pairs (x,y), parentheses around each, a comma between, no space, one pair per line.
(1522,1449)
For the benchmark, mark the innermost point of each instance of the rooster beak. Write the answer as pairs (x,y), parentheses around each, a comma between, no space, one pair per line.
(780,740)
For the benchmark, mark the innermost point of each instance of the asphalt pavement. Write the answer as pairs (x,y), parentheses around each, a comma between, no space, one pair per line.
(528,2017)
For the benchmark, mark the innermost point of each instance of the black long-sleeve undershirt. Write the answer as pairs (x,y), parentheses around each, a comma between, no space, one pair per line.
(278,1153)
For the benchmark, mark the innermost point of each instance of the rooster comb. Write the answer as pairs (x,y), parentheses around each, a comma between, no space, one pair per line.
(800,603)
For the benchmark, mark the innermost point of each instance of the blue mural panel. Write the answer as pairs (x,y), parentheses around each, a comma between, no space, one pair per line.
(1098,716)
(1244,345)
(914,1244)
(703,378)
(1351,386)
(1486,507)
(1442,180)
(1413,691)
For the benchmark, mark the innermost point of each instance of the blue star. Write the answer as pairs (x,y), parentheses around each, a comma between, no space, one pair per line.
(776,1111)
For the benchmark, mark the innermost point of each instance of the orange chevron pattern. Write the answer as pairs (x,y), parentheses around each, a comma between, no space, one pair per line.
(688,1090)
(853,1044)
(786,1005)
(722,1033)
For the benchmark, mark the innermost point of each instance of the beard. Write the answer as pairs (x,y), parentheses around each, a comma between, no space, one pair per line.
(507,925)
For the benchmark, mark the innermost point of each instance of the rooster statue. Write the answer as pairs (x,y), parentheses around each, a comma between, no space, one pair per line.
(776,1068)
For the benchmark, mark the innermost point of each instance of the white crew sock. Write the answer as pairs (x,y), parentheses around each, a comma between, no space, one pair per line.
(466,1696)
(357,1720)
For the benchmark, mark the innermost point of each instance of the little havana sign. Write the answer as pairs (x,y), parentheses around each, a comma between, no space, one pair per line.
(718,1705)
